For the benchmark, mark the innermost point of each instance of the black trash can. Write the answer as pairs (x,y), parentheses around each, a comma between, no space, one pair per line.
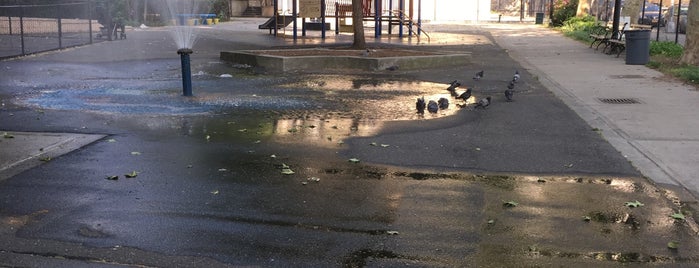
(637,47)
(539,18)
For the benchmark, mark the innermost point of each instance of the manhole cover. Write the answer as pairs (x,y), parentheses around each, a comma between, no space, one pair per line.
(619,101)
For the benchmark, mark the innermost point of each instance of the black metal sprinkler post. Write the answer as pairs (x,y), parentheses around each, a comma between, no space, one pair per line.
(186,71)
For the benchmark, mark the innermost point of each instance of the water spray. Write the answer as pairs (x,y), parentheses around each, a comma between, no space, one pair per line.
(186,71)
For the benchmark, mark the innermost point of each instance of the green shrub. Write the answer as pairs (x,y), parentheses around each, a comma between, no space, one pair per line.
(563,10)
(579,28)
(668,49)
(580,23)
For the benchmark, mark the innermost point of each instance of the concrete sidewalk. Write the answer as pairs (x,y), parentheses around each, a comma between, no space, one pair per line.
(658,135)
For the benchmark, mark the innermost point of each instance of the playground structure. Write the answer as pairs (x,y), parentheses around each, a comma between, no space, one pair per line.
(406,14)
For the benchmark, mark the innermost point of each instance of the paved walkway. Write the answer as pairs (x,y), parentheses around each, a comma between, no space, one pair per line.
(659,135)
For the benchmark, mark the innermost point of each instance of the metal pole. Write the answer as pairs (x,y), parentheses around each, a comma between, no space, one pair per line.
(294,13)
(677,25)
(21,29)
(402,16)
(550,12)
(322,19)
(521,10)
(60,28)
(303,26)
(276,16)
(390,17)
(89,19)
(377,21)
(615,22)
(337,18)
(419,16)
(643,14)
(657,34)
(186,71)
(9,21)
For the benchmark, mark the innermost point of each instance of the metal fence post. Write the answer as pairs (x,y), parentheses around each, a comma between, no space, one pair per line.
(21,29)
(60,28)
(89,19)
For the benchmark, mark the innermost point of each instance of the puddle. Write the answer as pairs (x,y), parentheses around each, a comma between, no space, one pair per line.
(319,109)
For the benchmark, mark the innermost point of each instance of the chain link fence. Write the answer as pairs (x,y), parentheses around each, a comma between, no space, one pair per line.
(28,29)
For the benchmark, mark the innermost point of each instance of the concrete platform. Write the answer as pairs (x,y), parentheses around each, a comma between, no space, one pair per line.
(274,63)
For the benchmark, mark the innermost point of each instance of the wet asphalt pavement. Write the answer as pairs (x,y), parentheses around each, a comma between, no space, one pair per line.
(209,191)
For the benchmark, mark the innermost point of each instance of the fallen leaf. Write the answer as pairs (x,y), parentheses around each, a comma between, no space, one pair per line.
(634,204)
(133,174)
(510,204)
(135,153)
(673,245)
(257,141)
(491,221)
(214,192)
(45,159)
(478,149)
(112,178)
(314,179)
(392,232)
(8,136)
(111,140)
(243,130)
(678,216)
(284,166)
(587,218)
(569,165)
(385,145)
(273,156)
(208,137)
(373,144)
(222,170)
(354,160)
(287,171)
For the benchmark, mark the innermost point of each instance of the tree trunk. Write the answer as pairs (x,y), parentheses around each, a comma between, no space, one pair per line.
(358,25)
(583,8)
(691,47)
(632,8)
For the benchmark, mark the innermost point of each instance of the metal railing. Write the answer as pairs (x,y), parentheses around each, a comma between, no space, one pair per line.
(29,29)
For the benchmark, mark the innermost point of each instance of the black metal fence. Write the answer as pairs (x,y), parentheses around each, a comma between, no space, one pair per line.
(28,29)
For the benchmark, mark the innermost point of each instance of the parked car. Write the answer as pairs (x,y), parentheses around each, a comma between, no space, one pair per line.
(671,15)
(651,16)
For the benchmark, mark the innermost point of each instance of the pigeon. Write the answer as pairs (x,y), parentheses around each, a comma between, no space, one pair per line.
(516,76)
(432,106)
(443,103)
(420,105)
(478,75)
(511,85)
(482,103)
(508,94)
(452,88)
(466,95)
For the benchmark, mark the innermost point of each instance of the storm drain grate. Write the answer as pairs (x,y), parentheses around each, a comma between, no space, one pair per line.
(619,101)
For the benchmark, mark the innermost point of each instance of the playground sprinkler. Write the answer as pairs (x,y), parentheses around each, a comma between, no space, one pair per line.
(186,71)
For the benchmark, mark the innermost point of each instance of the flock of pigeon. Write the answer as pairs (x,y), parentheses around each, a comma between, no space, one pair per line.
(443,103)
